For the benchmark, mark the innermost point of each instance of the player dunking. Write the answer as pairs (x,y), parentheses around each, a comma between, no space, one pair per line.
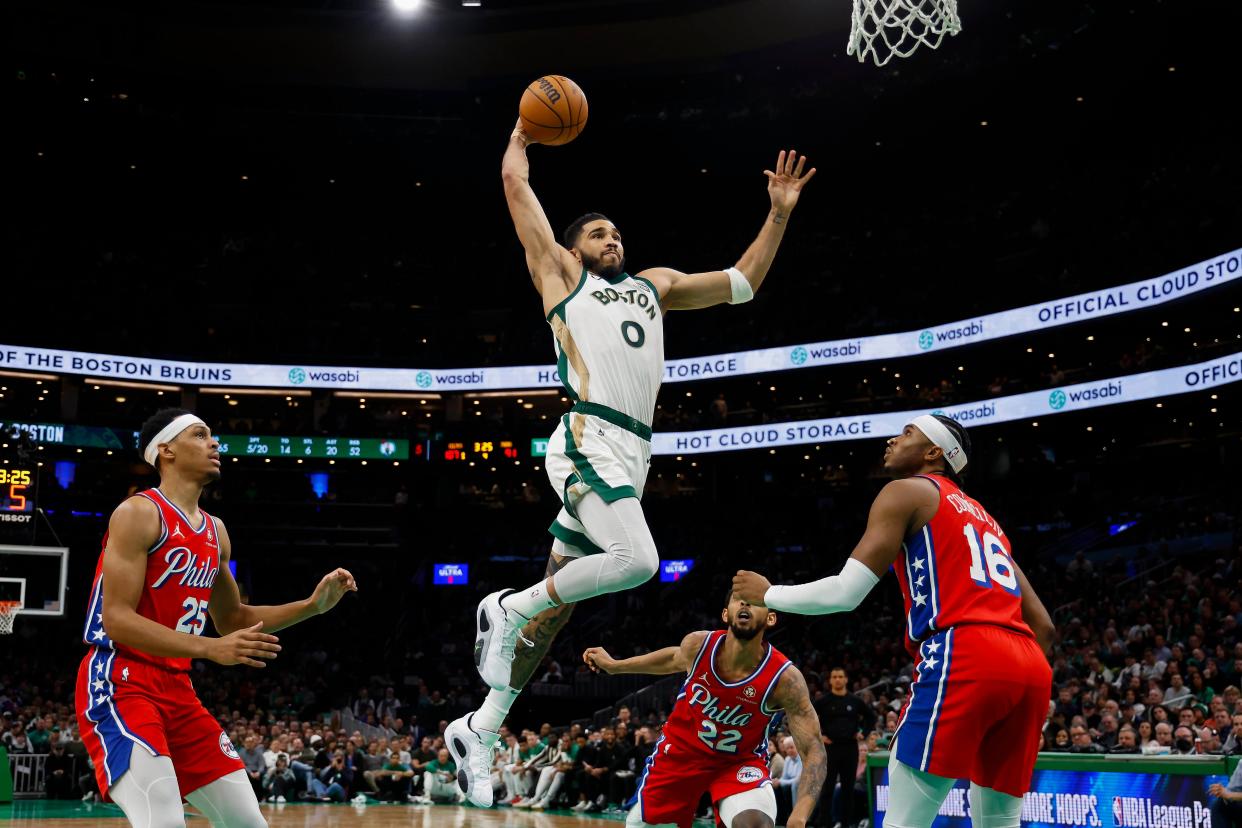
(976,629)
(609,340)
(163,568)
(716,738)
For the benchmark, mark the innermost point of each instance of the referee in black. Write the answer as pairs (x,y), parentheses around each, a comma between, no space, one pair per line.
(842,716)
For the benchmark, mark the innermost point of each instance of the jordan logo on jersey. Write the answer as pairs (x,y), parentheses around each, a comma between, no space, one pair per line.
(183,562)
(712,709)
(176,532)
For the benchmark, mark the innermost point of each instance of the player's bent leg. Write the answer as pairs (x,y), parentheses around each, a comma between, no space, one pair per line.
(148,792)
(755,808)
(629,552)
(914,796)
(992,809)
(229,802)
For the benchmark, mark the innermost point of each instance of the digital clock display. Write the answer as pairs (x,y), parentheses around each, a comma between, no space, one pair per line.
(14,486)
(342,448)
(480,450)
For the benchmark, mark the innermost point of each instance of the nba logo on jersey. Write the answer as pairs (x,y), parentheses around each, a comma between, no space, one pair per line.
(749,774)
(125,674)
(749,692)
(226,747)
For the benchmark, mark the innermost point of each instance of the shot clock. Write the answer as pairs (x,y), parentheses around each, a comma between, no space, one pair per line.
(15,493)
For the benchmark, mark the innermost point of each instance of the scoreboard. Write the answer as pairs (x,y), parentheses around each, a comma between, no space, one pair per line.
(480,450)
(343,448)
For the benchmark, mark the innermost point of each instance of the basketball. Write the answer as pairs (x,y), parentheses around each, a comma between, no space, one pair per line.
(553,110)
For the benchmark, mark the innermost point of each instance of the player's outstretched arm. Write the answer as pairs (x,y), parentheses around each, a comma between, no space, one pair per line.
(552,268)
(792,696)
(687,291)
(892,516)
(1034,613)
(228,613)
(132,530)
(656,663)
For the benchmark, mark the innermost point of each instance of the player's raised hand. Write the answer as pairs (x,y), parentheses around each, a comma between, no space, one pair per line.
(334,585)
(786,183)
(519,134)
(246,646)
(751,587)
(598,660)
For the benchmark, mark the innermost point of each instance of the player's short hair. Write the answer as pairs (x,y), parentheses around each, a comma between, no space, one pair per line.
(154,425)
(573,231)
(963,439)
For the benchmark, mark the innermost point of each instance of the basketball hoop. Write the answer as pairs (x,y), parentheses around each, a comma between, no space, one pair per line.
(887,28)
(8,612)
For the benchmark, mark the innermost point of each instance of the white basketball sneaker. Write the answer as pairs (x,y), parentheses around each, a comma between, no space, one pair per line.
(496,633)
(472,752)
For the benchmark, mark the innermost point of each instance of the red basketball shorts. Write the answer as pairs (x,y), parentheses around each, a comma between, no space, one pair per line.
(976,707)
(675,778)
(125,705)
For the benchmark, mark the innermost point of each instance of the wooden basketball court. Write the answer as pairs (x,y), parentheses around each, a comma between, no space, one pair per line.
(42,813)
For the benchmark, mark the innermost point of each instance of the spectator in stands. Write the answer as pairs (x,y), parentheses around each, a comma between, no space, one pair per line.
(332,783)
(17,742)
(776,758)
(363,705)
(1178,693)
(251,755)
(1183,740)
(1107,736)
(440,780)
(302,762)
(394,779)
(1127,741)
(58,772)
(1206,742)
(279,783)
(786,787)
(1080,740)
(1233,740)
(593,776)
(389,705)
(506,753)
(38,733)
(1060,742)
(552,777)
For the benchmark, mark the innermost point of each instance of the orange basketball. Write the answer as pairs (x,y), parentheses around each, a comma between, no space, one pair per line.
(553,110)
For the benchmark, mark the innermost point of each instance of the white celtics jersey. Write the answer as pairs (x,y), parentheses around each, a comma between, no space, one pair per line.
(610,343)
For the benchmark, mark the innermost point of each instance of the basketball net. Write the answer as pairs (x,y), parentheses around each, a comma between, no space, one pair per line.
(8,612)
(885,29)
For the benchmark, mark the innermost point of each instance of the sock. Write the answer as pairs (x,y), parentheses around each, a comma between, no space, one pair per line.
(495,707)
(529,603)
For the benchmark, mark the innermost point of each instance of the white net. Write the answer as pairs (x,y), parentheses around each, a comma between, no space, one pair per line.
(8,611)
(884,29)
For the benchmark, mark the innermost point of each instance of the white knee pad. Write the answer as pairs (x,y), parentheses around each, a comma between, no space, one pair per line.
(148,792)
(229,802)
(914,796)
(756,799)
(992,809)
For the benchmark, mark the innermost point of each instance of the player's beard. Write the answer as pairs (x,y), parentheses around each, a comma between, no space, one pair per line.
(608,271)
(742,634)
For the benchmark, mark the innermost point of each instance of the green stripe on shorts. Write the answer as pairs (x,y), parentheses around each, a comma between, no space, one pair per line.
(590,477)
(575,539)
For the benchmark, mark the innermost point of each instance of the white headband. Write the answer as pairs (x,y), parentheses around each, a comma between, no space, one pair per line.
(167,434)
(942,437)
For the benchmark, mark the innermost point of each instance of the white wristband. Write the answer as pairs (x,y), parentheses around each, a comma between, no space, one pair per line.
(740,286)
(836,593)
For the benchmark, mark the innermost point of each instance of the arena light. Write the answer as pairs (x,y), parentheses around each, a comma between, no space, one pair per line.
(145,386)
(256,392)
(362,396)
(407,6)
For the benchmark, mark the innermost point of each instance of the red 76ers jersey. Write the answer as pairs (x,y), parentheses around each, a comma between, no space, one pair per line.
(720,720)
(958,569)
(181,569)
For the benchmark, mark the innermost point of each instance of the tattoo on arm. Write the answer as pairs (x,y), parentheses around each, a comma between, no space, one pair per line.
(540,631)
(804,727)
(779,218)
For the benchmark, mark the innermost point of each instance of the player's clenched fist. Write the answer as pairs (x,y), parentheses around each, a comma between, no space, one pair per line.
(597,659)
(751,587)
(244,647)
